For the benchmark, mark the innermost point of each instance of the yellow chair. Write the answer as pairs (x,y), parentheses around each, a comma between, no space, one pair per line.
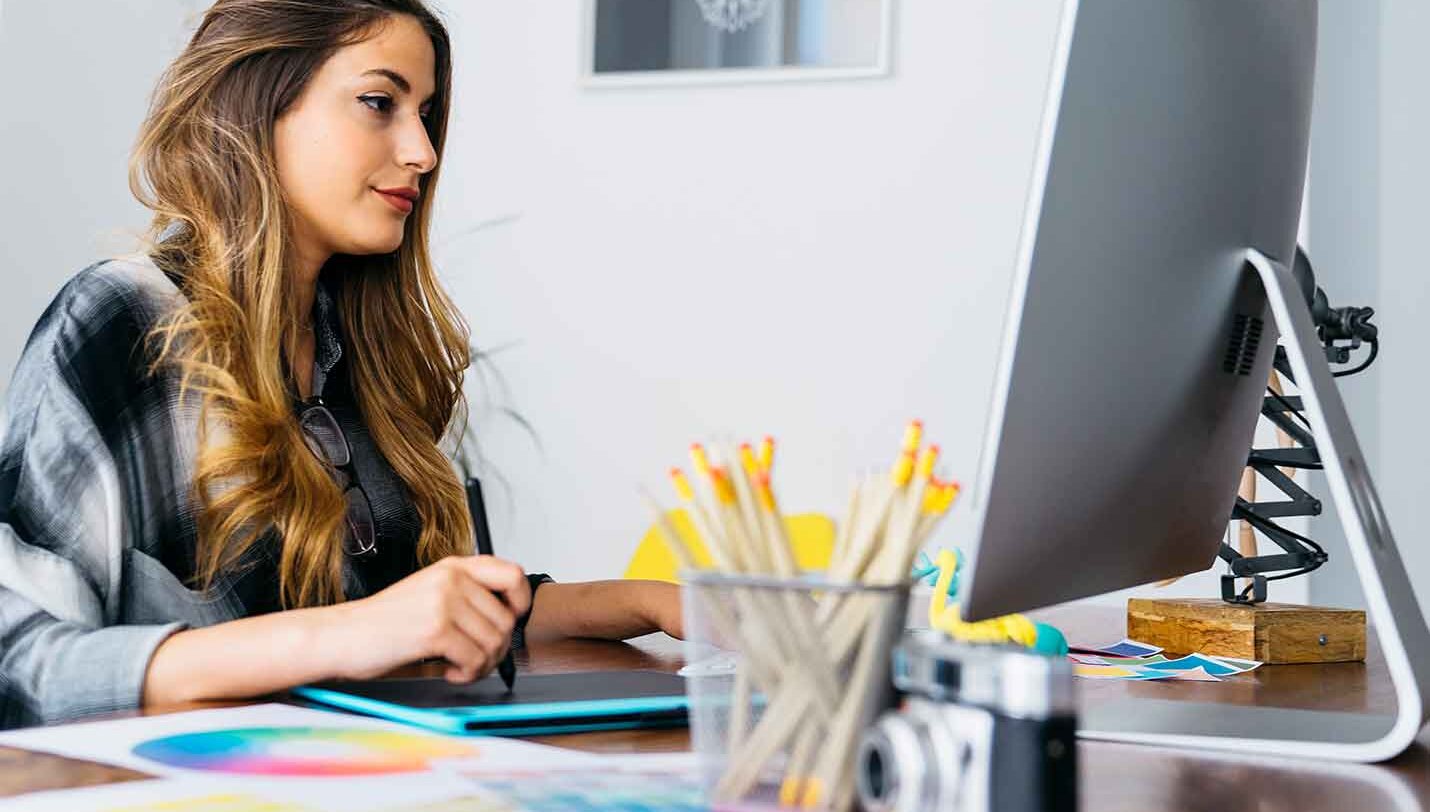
(811,534)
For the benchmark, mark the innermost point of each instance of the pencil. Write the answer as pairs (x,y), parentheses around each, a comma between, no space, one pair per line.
(477,506)
(819,656)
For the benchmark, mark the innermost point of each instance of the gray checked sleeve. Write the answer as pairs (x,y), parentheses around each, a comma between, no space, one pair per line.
(64,526)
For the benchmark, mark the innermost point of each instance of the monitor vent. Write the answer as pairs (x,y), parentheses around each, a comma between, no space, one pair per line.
(1241,346)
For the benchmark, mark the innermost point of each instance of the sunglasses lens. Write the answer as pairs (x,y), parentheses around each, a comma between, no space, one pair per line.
(362,533)
(324,436)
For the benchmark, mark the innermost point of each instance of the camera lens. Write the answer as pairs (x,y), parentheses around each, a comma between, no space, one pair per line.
(874,773)
(891,766)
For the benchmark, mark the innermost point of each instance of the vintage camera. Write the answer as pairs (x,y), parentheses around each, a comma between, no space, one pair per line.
(980,727)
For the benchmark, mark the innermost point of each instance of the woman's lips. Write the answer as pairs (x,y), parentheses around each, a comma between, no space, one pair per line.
(398,202)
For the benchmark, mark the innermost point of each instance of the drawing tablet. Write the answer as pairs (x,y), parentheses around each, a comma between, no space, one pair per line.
(540,704)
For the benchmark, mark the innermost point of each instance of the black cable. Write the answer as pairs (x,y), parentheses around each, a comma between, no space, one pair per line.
(1292,410)
(1303,571)
(1369,359)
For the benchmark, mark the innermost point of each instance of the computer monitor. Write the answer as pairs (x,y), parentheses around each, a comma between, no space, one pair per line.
(1162,214)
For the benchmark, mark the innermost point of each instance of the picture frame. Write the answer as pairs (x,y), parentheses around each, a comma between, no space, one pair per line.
(877,44)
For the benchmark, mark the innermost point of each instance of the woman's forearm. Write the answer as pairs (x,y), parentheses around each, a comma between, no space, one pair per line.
(268,653)
(244,658)
(610,610)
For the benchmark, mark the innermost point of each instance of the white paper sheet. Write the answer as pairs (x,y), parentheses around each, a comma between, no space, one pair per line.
(113,742)
(448,785)
(410,794)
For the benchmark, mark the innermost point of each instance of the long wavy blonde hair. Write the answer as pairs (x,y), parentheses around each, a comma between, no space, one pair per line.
(204,163)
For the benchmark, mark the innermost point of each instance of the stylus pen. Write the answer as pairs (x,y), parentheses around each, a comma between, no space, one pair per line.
(478,508)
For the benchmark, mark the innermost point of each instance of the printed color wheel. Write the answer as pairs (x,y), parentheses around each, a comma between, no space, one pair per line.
(302,751)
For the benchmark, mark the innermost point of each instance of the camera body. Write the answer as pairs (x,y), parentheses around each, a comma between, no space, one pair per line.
(979,727)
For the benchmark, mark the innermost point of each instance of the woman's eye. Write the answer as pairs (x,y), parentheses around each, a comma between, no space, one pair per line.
(381,104)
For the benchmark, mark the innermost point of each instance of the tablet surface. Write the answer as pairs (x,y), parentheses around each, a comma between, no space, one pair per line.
(540,703)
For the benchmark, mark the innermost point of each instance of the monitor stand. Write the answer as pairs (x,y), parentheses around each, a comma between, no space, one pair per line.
(1394,613)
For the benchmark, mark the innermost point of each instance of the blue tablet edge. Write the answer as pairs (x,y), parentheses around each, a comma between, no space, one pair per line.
(536,719)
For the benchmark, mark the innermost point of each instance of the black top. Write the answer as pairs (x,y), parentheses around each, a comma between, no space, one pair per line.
(394,514)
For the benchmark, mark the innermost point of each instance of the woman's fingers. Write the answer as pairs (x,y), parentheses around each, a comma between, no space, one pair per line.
(465,607)
(503,577)
(469,633)
(490,608)
(467,658)
(485,621)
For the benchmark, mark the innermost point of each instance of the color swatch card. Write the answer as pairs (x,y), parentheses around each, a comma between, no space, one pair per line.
(1122,648)
(622,783)
(604,790)
(1120,661)
(1212,665)
(1117,672)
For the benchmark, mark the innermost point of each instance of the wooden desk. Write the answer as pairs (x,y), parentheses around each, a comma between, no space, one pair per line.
(1114,776)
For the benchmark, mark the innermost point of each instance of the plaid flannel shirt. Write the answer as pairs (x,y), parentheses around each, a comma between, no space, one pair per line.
(97,519)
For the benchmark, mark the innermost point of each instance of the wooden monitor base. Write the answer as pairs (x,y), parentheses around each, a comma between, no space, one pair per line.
(1267,632)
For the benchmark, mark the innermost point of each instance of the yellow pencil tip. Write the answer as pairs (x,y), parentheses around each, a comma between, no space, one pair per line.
(682,485)
(767,453)
(928,458)
(724,491)
(789,792)
(812,793)
(764,492)
(950,495)
(699,458)
(747,460)
(933,498)
(913,435)
(903,469)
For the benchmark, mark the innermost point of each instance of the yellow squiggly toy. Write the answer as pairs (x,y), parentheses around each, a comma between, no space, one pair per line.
(943,616)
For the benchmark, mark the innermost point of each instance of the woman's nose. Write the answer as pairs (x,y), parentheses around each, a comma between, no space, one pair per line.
(415,150)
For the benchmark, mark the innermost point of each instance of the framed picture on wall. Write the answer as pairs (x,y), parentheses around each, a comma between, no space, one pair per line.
(655,42)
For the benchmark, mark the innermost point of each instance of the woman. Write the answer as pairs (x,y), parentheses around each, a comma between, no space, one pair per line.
(223,471)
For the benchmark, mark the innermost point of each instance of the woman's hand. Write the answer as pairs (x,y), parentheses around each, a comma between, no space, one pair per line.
(446,610)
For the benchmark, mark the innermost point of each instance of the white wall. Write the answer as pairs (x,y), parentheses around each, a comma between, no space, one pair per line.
(1370,172)
(820,261)
(81,73)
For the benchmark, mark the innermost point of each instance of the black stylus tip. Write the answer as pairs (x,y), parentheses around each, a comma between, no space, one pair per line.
(507,671)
